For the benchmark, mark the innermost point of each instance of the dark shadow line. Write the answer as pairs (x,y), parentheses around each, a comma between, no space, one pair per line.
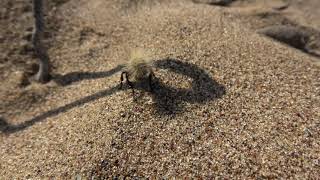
(297,37)
(314,54)
(8,128)
(73,77)
(215,3)
(65,80)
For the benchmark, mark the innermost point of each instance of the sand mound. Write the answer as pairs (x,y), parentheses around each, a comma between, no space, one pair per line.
(228,102)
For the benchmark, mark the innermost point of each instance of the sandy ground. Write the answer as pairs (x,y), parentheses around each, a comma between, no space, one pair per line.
(228,101)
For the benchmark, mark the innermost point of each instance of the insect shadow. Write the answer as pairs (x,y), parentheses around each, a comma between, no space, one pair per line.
(168,100)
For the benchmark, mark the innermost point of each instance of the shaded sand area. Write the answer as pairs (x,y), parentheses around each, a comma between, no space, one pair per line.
(228,102)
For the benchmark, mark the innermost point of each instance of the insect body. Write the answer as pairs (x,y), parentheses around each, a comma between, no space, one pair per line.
(139,68)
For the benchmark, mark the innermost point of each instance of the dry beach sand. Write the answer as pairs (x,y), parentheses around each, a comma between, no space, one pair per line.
(229,102)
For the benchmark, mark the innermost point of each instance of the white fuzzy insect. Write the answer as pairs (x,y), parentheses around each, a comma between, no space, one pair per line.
(138,68)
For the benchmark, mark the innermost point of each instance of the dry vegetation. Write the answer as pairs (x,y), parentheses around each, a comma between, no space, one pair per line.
(228,101)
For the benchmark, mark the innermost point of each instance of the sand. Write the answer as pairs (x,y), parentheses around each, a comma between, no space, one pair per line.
(228,101)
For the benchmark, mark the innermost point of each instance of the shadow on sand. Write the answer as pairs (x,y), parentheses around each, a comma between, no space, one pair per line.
(68,79)
(168,100)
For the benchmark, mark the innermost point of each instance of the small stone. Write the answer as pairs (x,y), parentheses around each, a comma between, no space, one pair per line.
(123,114)
(307,132)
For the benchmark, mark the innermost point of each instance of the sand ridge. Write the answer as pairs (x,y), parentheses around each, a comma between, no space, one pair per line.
(228,102)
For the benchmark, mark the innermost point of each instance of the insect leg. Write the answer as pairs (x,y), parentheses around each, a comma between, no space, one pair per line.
(121,79)
(129,83)
(150,82)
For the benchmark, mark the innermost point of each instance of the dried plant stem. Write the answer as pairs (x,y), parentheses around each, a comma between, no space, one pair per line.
(43,74)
